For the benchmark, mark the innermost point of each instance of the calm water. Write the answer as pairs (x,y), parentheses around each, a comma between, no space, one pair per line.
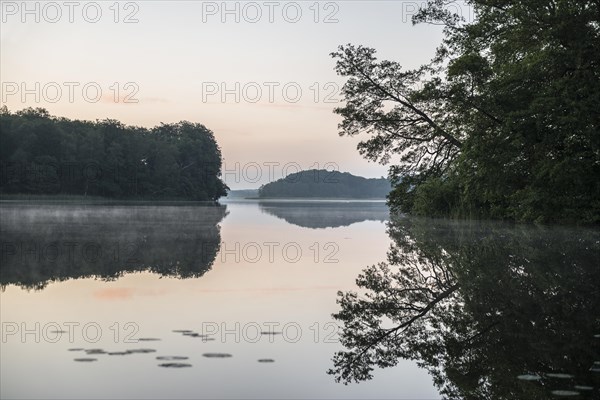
(260,279)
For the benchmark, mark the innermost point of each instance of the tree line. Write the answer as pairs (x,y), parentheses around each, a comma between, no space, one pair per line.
(46,155)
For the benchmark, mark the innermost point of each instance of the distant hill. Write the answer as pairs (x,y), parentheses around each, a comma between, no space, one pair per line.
(326,184)
(242,193)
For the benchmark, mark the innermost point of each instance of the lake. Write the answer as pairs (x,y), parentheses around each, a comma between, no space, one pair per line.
(236,301)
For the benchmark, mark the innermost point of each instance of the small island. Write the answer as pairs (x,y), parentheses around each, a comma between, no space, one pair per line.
(320,183)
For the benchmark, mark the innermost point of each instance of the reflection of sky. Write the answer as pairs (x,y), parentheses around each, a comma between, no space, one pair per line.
(170,53)
(301,293)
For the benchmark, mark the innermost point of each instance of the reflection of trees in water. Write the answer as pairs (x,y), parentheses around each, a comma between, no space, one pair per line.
(478,304)
(326,214)
(41,244)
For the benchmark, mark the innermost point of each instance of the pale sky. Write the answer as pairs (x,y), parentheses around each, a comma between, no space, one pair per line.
(179,58)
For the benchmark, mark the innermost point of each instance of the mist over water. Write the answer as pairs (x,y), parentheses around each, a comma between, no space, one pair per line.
(182,300)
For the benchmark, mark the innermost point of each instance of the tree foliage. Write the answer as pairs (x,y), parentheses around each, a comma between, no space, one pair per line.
(42,154)
(506,113)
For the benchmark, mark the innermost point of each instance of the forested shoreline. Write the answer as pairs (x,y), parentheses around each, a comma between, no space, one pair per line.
(46,155)
(503,123)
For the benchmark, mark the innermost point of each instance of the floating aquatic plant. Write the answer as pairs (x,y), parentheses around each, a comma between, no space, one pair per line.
(217,355)
(565,393)
(560,376)
(174,365)
(528,377)
(141,351)
(95,351)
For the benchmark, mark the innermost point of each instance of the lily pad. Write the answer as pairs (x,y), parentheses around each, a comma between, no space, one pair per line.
(560,376)
(565,393)
(266,360)
(86,359)
(528,377)
(141,351)
(174,365)
(95,351)
(171,358)
(217,355)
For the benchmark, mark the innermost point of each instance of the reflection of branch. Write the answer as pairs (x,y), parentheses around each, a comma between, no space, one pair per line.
(406,324)
(482,332)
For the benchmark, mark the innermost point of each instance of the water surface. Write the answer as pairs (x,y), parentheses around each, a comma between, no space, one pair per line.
(235,301)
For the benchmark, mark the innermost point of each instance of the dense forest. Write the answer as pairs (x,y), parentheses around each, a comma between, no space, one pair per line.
(503,123)
(325,184)
(46,155)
